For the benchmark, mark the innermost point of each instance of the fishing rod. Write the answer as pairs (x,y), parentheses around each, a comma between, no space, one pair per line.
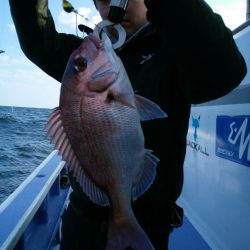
(248,10)
(117,10)
(68,7)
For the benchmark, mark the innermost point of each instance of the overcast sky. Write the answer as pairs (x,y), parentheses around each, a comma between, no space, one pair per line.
(24,84)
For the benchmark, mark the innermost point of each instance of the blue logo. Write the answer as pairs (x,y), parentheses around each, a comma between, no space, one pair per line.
(196,125)
(233,138)
(193,143)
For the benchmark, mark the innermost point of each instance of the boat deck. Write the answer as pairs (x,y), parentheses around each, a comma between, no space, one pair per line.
(183,238)
(30,217)
(187,238)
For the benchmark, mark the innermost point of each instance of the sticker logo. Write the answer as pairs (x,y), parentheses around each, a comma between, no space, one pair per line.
(233,138)
(193,143)
(196,125)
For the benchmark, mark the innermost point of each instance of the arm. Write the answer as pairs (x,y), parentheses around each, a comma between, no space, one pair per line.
(208,61)
(38,38)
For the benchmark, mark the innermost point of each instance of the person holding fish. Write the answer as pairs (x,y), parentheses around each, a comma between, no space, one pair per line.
(123,116)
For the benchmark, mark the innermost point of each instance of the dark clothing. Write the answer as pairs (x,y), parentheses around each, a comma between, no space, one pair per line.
(185,56)
(85,227)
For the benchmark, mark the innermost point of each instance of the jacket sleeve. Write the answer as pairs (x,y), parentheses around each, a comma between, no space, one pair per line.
(208,60)
(38,38)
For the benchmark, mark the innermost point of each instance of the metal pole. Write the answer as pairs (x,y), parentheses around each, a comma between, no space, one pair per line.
(248,10)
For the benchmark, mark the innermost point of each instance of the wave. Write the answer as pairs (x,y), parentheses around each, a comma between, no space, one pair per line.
(23,145)
(7,117)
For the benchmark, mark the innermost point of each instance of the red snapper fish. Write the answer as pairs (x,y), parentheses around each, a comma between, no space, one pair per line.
(97,130)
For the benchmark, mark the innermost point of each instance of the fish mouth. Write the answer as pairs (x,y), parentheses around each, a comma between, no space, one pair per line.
(95,40)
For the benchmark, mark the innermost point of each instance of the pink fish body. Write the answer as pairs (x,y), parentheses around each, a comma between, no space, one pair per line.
(97,130)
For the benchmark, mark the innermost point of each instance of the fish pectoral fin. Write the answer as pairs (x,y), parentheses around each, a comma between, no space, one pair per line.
(147,177)
(148,110)
(59,138)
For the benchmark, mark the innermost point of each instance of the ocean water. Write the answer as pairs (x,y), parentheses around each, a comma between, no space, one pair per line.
(23,145)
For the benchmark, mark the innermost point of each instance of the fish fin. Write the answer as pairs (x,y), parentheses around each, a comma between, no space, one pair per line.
(147,109)
(94,193)
(59,138)
(148,175)
(126,233)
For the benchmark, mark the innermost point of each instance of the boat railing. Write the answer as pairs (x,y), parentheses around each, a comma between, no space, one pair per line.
(30,217)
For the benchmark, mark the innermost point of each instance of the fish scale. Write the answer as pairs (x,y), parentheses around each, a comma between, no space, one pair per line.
(101,124)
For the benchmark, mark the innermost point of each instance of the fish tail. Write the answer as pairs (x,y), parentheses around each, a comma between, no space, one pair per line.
(127,234)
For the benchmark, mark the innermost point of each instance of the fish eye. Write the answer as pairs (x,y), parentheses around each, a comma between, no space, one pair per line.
(80,64)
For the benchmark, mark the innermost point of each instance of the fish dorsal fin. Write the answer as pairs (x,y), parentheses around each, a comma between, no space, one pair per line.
(147,109)
(148,175)
(60,139)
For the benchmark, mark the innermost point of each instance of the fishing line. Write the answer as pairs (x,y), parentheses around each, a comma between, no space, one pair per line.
(68,7)
(87,22)
(76,27)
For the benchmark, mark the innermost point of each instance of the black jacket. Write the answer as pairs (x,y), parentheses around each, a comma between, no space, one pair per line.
(185,56)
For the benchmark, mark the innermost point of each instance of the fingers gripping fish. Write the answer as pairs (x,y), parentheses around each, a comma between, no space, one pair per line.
(97,130)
